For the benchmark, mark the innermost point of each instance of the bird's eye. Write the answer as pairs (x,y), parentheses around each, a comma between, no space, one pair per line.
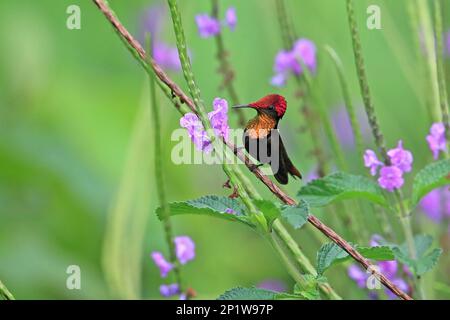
(271,107)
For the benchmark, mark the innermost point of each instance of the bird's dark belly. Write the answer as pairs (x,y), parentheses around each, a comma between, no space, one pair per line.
(259,148)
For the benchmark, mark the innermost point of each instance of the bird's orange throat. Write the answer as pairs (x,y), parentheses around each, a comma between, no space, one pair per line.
(260,126)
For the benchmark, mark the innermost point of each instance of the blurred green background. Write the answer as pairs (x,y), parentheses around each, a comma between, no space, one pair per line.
(76,146)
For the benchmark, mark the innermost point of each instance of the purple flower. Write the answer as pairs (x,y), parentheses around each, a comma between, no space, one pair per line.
(388,268)
(390,178)
(436,204)
(375,240)
(184,249)
(371,161)
(219,122)
(312,175)
(198,135)
(288,61)
(161,263)
(207,26)
(230,211)
(168,290)
(401,158)
(166,56)
(356,274)
(305,51)
(219,118)
(273,285)
(436,139)
(278,80)
(231,18)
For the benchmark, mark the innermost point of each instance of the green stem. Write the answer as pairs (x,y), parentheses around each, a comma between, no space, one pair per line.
(363,82)
(159,178)
(356,129)
(4,292)
(225,67)
(440,71)
(426,27)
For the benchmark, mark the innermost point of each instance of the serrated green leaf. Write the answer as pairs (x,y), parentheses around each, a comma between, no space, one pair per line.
(434,175)
(269,209)
(214,206)
(310,290)
(341,186)
(297,215)
(330,254)
(240,293)
(423,262)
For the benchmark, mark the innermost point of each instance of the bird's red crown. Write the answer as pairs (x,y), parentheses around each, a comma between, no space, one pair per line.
(275,100)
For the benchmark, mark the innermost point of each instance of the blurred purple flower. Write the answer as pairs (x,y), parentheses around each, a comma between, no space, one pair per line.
(152,22)
(356,274)
(388,268)
(219,122)
(184,249)
(375,240)
(312,175)
(231,18)
(305,51)
(273,285)
(288,61)
(371,161)
(163,265)
(436,204)
(166,56)
(278,80)
(230,211)
(436,139)
(207,26)
(401,158)
(390,178)
(168,290)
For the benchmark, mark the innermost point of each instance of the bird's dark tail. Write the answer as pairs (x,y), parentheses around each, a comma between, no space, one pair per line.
(285,166)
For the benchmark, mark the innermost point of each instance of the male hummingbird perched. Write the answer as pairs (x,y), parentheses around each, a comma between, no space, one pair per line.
(262,139)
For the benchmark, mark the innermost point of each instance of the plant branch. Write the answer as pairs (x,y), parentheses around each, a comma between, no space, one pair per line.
(328,232)
(4,292)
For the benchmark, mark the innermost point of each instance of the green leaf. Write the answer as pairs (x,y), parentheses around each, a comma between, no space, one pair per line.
(309,291)
(341,186)
(240,293)
(297,215)
(423,262)
(214,206)
(269,209)
(330,254)
(432,176)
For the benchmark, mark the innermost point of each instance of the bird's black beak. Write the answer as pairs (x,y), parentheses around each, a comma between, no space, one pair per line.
(240,106)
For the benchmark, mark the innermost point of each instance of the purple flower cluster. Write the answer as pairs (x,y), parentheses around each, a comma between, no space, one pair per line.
(436,139)
(391,177)
(152,22)
(389,268)
(185,252)
(209,26)
(287,62)
(436,204)
(219,122)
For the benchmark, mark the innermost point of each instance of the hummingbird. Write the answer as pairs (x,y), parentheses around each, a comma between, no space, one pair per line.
(262,139)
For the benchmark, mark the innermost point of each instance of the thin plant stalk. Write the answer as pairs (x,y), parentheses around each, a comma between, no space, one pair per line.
(179,96)
(443,102)
(155,122)
(356,129)
(4,292)
(426,28)
(225,68)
